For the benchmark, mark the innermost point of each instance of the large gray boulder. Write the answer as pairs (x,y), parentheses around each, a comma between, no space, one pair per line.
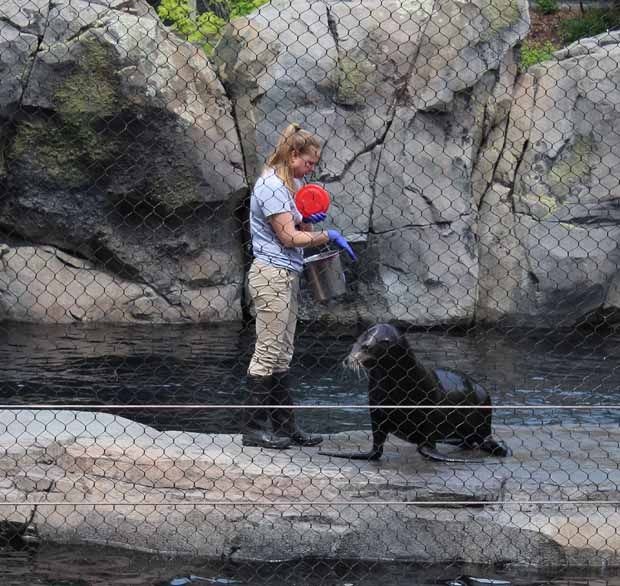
(472,191)
(44,284)
(120,149)
(397,91)
(550,226)
(479,192)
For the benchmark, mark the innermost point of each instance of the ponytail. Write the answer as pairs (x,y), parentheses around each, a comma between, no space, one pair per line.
(293,140)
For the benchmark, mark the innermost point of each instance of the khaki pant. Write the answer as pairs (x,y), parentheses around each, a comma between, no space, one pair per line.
(274,292)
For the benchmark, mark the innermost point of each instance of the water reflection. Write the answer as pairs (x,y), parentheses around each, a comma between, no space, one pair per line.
(58,565)
(199,365)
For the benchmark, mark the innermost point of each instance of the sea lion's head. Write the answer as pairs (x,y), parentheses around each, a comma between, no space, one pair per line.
(374,344)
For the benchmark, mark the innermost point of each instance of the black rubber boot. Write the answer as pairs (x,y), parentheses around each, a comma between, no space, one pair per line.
(283,419)
(257,429)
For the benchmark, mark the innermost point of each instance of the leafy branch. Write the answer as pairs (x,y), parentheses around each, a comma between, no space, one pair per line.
(205,28)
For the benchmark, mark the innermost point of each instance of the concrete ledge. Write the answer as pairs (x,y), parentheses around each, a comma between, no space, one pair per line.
(105,479)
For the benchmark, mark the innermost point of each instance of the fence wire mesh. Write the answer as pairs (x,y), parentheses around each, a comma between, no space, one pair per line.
(331,280)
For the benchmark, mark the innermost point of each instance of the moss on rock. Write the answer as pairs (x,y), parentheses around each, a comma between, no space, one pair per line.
(570,226)
(71,147)
(572,169)
(95,135)
(542,206)
(51,150)
(175,188)
(548,202)
(500,14)
(92,90)
(354,74)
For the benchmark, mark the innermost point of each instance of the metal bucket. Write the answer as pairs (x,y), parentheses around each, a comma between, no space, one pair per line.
(325,275)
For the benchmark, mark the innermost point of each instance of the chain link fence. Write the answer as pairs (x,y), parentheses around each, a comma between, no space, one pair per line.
(451,391)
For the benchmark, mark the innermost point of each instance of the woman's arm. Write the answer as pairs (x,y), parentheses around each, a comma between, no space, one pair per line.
(290,236)
(304,227)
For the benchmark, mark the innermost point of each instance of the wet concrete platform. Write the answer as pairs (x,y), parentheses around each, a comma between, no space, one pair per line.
(99,478)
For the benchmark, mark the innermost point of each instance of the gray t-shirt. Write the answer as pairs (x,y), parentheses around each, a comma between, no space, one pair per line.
(271,196)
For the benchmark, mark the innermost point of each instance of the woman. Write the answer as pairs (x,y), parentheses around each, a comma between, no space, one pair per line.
(279,233)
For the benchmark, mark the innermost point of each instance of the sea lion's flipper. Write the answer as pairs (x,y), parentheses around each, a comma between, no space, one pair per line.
(454,441)
(431,453)
(495,447)
(372,455)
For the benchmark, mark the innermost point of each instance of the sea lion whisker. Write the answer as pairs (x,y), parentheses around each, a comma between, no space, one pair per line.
(353,364)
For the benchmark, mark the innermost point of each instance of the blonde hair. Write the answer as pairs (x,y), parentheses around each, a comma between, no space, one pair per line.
(293,140)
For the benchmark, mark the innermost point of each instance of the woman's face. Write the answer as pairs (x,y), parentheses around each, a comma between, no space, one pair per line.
(302,164)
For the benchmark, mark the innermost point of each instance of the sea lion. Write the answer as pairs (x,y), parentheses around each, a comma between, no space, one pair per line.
(396,377)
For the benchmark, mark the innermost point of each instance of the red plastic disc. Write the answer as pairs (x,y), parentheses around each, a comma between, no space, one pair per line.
(312,199)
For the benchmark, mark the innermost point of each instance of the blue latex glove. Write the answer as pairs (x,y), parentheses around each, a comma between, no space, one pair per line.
(339,240)
(315,218)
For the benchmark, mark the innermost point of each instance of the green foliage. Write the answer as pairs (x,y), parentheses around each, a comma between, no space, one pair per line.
(202,29)
(589,24)
(242,7)
(205,28)
(532,53)
(548,6)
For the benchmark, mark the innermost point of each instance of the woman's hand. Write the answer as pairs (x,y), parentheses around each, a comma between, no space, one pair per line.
(339,240)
